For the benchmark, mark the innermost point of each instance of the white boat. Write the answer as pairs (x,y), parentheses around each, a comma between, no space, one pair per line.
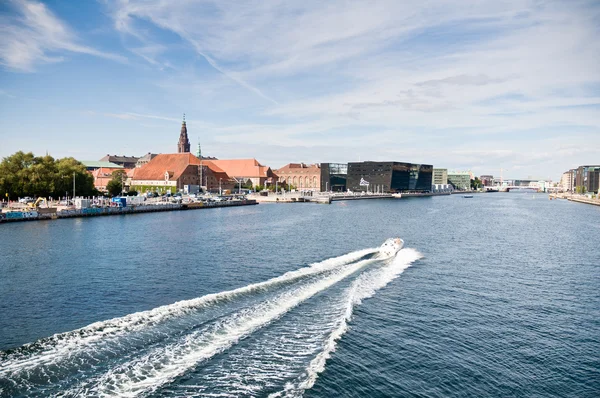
(390,247)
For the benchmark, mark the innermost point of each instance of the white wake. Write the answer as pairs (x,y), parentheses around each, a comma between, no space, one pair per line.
(65,345)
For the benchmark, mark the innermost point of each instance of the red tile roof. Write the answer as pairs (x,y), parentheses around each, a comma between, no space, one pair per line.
(175,164)
(249,168)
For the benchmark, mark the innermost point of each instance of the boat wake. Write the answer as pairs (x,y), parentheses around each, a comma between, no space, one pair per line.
(272,337)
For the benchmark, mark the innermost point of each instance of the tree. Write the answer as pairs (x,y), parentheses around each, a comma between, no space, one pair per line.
(115,185)
(23,174)
(476,183)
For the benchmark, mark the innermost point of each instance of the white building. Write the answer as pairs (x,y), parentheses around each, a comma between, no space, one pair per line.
(567,181)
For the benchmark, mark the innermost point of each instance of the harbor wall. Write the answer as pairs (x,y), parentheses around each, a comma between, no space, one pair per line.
(12,216)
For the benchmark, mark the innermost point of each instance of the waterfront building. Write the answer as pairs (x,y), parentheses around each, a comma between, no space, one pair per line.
(171,172)
(567,181)
(440,176)
(183,145)
(247,171)
(530,182)
(587,178)
(334,177)
(300,175)
(127,162)
(389,177)
(441,188)
(487,180)
(460,180)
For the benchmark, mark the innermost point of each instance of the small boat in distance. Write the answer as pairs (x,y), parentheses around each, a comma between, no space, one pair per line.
(467,196)
(390,247)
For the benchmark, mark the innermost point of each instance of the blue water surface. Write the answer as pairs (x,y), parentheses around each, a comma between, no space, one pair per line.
(504,302)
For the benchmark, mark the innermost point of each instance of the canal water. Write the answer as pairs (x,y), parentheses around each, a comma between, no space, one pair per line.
(498,295)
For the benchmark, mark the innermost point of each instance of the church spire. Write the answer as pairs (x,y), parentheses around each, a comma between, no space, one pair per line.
(183,146)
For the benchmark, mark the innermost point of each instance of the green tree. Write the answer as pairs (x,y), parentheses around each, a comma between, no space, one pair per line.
(23,174)
(476,183)
(115,185)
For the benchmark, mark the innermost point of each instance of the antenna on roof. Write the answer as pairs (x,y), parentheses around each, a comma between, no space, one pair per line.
(184,118)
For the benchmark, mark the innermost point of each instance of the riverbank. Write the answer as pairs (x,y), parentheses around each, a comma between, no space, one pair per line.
(54,214)
(575,198)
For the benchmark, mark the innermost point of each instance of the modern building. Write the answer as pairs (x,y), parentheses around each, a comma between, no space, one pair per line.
(461,181)
(127,162)
(567,181)
(247,171)
(172,172)
(334,177)
(300,175)
(487,180)
(440,176)
(389,177)
(441,188)
(587,178)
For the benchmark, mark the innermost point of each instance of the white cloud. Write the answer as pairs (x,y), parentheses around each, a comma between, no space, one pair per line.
(454,84)
(37,36)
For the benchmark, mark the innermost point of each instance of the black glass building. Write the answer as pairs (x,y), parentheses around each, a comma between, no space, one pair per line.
(389,177)
(333,177)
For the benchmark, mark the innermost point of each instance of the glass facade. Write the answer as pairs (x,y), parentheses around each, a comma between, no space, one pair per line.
(389,177)
(334,177)
(460,181)
(587,178)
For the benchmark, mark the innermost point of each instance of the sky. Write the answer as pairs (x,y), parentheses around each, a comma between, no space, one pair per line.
(479,85)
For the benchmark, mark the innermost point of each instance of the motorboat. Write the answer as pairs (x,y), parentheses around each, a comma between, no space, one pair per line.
(468,196)
(390,247)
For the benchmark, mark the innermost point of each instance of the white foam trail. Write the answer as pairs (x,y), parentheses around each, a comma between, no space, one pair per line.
(365,286)
(65,345)
(164,364)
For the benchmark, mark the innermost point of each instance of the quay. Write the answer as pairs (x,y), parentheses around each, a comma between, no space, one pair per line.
(54,214)
(323,198)
(575,198)
(289,197)
(364,197)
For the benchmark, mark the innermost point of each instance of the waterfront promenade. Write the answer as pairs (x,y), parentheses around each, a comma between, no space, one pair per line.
(576,198)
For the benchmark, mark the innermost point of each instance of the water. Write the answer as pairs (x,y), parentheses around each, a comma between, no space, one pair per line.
(498,295)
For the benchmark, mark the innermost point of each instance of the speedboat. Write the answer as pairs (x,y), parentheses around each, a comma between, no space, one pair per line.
(467,196)
(390,247)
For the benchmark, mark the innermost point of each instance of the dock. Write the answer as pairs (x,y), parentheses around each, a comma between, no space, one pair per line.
(55,214)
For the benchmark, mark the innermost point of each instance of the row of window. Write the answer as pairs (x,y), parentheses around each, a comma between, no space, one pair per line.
(300,182)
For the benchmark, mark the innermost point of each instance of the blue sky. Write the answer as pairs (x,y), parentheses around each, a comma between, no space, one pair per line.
(473,85)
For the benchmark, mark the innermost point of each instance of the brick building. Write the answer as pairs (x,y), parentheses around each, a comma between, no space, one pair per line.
(171,172)
(301,176)
(246,171)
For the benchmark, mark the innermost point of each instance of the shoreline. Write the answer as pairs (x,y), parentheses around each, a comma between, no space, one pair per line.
(45,215)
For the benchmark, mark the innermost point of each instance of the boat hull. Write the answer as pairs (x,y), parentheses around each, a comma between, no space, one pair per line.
(390,247)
